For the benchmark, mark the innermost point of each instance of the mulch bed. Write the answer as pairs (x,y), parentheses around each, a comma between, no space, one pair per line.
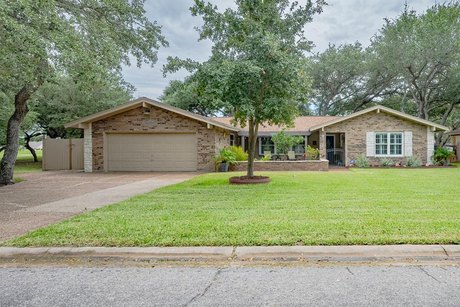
(249,180)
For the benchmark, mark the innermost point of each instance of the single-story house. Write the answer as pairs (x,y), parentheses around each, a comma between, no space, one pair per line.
(147,135)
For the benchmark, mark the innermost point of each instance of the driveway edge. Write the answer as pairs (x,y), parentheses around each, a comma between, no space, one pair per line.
(367,253)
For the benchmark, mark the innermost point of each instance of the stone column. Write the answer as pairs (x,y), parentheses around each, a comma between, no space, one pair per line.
(322,144)
(88,149)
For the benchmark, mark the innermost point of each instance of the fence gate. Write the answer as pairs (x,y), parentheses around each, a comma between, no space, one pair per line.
(62,154)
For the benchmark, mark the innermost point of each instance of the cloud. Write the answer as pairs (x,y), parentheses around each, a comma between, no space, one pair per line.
(341,22)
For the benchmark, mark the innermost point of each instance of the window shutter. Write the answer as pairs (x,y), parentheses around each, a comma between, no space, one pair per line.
(408,143)
(370,144)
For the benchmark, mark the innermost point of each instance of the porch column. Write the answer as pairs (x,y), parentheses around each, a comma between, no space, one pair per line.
(88,149)
(322,144)
(242,143)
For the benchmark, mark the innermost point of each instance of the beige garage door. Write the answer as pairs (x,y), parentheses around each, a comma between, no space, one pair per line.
(151,152)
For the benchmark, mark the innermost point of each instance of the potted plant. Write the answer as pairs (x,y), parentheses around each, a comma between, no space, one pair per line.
(224,159)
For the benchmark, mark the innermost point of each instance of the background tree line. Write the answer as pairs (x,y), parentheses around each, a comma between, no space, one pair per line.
(412,64)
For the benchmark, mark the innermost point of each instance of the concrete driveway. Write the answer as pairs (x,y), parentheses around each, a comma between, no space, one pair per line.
(48,197)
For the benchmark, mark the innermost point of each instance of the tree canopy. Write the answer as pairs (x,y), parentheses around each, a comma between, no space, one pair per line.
(64,100)
(423,50)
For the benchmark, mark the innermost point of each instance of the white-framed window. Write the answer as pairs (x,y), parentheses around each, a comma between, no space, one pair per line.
(266,144)
(388,143)
(300,148)
(232,140)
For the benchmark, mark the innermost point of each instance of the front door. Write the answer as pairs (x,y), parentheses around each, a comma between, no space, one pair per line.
(330,143)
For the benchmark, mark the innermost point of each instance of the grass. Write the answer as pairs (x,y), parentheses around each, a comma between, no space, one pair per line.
(362,206)
(25,163)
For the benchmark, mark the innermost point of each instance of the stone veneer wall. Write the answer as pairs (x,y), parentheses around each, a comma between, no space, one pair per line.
(301,165)
(355,134)
(88,149)
(160,121)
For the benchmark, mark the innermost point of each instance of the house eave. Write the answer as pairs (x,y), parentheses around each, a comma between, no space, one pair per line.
(378,109)
(271,133)
(145,102)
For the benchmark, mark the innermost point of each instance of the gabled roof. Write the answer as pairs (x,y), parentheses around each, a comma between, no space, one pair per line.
(379,108)
(144,101)
(301,125)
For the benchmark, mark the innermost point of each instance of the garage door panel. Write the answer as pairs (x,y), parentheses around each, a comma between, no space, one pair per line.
(151,152)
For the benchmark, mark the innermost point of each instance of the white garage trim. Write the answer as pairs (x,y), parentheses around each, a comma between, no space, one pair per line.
(134,151)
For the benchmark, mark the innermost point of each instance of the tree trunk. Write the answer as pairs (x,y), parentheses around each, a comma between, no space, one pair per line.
(12,136)
(27,146)
(422,111)
(252,139)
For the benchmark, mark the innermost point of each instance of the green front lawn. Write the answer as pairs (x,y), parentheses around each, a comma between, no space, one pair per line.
(25,162)
(362,206)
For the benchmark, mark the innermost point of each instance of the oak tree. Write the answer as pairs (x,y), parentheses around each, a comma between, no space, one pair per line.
(258,59)
(84,39)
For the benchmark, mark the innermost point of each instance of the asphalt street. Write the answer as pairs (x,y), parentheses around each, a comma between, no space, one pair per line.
(232,286)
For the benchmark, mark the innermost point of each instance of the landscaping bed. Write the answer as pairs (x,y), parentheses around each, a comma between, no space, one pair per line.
(362,206)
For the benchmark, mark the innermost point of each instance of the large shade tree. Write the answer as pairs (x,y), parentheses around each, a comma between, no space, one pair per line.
(411,65)
(423,52)
(85,39)
(347,78)
(257,65)
(189,95)
(64,100)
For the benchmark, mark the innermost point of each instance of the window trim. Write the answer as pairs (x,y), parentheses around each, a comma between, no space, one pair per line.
(388,134)
(259,139)
(232,139)
(260,145)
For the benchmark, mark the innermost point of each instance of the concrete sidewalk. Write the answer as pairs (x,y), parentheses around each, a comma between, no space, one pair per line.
(367,253)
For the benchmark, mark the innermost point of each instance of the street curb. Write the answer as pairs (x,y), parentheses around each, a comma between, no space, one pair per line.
(350,253)
(157,253)
(243,253)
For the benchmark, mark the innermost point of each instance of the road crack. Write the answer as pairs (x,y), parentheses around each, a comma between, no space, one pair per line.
(203,293)
(428,274)
(349,271)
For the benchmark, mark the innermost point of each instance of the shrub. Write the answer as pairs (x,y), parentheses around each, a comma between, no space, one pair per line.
(413,161)
(226,156)
(239,153)
(266,158)
(312,153)
(284,142)
(362,161)
(442,155)
(385,162)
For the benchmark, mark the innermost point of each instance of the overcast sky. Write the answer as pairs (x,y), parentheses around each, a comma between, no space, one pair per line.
(343,21)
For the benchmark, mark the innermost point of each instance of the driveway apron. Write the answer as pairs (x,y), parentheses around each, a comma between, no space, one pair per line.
(48,197)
